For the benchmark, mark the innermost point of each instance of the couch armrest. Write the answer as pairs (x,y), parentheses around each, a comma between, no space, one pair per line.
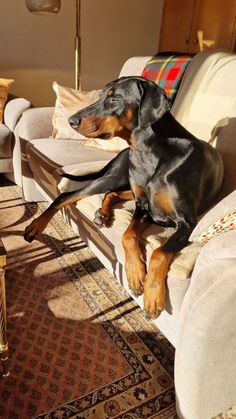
(205,361)
(13,111)
(35,123)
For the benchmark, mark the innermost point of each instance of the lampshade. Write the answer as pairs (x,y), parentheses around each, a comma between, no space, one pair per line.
(51,6)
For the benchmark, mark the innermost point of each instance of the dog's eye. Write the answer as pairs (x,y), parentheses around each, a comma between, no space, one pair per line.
(112,100)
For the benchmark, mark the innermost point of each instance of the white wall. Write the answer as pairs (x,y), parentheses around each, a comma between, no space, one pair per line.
(35,50)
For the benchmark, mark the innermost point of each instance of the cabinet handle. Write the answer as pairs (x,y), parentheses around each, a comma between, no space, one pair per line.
(195,41)
(186,41)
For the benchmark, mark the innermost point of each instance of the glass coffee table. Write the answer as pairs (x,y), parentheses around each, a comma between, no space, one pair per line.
(3,316)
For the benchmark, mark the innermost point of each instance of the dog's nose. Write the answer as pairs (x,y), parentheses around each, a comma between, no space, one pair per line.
(74,121)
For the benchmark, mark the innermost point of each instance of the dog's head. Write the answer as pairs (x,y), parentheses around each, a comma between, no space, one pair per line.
(124,104)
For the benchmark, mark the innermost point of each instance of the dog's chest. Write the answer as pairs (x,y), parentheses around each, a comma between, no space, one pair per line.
(142,167)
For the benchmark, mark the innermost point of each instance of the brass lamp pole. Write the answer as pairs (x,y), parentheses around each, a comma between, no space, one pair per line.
(77,44)
(54,6)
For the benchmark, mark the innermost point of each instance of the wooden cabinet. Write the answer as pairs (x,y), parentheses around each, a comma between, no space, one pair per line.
(197,25)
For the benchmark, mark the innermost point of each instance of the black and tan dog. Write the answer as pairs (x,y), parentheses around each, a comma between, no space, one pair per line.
(173,177)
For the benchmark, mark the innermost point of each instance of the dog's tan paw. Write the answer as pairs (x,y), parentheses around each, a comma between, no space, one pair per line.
(36,227)
(136,273)
(154,298)
(101,219)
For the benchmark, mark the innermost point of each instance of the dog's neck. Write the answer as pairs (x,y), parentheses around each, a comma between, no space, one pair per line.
(165,127)
(143,135)
(168,126)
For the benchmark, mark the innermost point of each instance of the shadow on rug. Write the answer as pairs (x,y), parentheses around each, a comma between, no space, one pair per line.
(79,346)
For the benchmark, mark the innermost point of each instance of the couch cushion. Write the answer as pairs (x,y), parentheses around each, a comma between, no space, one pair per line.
(45,156)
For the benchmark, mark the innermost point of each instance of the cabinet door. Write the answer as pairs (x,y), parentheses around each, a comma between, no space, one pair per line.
(197,25)
(176,25)
(213,25)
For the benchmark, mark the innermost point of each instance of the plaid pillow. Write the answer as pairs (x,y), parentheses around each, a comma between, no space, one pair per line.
(167,71)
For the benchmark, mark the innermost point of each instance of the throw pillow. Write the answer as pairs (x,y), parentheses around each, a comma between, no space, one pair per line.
(221,218)
(167,70)
(4,88)
(70,101)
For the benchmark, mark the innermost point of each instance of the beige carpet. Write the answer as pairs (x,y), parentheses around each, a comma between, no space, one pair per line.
(79,346)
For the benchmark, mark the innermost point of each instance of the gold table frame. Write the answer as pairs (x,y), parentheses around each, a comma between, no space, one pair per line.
(3,316)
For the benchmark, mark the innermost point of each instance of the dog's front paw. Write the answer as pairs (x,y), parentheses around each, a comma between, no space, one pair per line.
(101,218)
(35,228)
(154,297)
(136,273)
(29,234)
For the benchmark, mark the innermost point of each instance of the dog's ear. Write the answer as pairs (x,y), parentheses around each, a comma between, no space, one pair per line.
(153,102)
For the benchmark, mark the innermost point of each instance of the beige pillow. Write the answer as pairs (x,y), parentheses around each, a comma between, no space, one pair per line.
(4,88)
(70,101)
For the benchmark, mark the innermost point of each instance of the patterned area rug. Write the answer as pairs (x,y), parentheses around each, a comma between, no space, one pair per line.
(79,346)
(227,414)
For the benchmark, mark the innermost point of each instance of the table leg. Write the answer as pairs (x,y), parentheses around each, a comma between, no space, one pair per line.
(3,325)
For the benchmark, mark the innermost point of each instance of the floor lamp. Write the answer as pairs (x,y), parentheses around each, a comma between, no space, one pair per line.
(54,6)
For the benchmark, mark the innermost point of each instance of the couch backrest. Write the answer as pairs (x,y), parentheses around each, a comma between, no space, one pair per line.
(206,105)
(134,66)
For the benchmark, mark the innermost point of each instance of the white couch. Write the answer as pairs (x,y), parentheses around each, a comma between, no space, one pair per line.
(201,311)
